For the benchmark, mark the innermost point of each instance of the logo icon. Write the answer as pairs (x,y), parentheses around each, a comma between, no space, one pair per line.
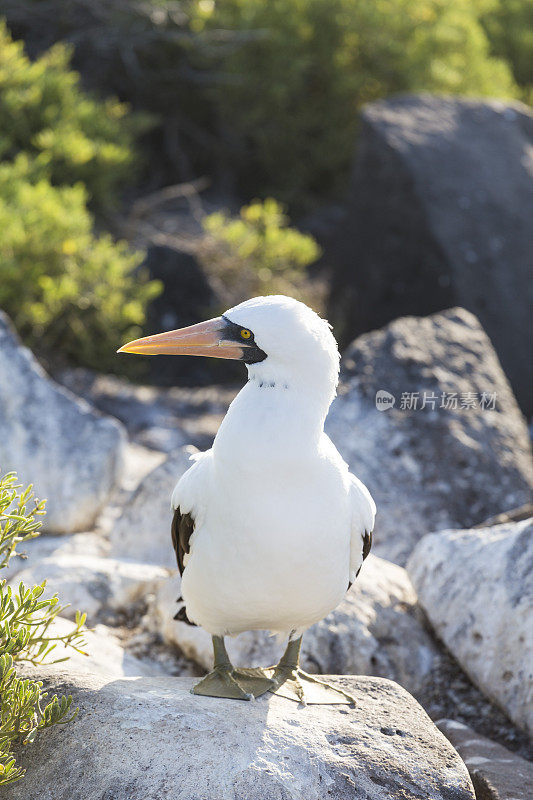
(384,400)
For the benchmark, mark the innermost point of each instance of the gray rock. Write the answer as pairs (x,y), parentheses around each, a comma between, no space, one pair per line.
(102,654)
(497,774)
(30,553)
(71,453)
(374,631)
(431,468)
(439,214)
(142,532)
(89,583)
(151,739)
(476,587)
(513,515)
(139,461)
(163,419)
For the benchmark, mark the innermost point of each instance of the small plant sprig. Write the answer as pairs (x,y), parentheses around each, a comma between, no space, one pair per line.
(26,634)
(19,516)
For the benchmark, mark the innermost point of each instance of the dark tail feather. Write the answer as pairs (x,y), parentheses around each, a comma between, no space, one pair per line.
(181,616)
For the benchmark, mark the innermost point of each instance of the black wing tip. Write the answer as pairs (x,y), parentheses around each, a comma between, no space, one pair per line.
(181,530)
(367,543)
(181,616)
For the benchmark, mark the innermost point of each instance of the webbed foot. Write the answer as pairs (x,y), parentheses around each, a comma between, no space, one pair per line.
(254,680)
(295,684)
(220,682)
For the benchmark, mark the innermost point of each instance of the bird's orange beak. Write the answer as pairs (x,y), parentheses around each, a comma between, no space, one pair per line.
(203,339)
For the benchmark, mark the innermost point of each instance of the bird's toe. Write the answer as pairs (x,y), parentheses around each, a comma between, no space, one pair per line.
(221,683)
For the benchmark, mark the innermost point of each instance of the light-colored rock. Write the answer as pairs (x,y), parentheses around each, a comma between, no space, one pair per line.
(45,546)
(139,461)
(163,418)
(151,739)
(71,453)
(476,587)
(89,583)
(497,774)
(104,653)
(430,468)
(142,532)
(374,631)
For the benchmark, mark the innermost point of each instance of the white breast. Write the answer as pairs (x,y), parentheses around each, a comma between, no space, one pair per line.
(270,551)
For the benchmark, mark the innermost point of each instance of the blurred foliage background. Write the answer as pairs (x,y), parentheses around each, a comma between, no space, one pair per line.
(105,101)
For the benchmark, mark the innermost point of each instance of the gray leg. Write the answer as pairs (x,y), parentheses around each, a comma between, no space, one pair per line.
(296,684)
(227,681)
(220,681)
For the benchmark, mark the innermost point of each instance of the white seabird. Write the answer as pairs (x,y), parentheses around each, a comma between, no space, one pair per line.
(270,527)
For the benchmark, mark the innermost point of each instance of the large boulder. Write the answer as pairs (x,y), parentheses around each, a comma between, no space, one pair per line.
(162,419)
(151,739)
(431,467)
(72,454)
(101,653)
(374,631)
(30,553)
(497,774)
(142,532)
(89,583)
(149,414)
(476,587)
(439,213)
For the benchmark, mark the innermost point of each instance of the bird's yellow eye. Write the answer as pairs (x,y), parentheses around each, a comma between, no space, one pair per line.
(245,333)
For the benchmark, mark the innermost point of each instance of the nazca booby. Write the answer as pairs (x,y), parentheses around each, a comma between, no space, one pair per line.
(270,527)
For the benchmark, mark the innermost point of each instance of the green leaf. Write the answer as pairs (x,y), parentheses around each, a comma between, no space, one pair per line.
(26,616)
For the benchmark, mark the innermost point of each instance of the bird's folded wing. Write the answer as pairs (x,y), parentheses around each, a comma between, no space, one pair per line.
(182,529)
(187,498)
(363,514)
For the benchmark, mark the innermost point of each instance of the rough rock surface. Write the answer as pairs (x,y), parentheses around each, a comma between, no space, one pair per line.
(69,452)
(89,583)
(439,214)
(476,587)
(142,532)
(105,655)
(150,739)
(431,468)
(164,419)
(497,774)
(35,550)
(374,631)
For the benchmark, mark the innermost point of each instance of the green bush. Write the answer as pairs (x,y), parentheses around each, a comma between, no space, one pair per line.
(68,291)
(257,253)
(269,92)
(289,93)
(509,27)
(139,51)
(44,113)
(26,635)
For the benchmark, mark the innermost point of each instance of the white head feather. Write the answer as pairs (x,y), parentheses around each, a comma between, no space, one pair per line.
(302,353)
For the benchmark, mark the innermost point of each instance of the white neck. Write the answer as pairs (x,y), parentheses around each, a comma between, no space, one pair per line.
(277,417)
